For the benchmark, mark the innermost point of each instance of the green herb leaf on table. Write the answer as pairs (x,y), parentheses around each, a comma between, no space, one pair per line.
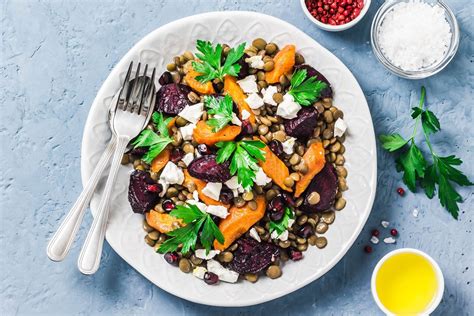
(244,156)
(441,172)
(221,111)
(282,225)
(305,92)
(210,61)
(198,224)
(156,143)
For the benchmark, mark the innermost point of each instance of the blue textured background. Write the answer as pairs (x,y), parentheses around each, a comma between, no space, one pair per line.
(54,57)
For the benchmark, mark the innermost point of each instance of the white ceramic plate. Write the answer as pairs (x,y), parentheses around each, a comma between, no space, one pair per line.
(124,232)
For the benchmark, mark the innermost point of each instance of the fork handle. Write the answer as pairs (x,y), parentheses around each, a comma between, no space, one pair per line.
(61,242)
(89,258)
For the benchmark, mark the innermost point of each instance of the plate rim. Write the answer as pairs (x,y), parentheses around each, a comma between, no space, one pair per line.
(373,184)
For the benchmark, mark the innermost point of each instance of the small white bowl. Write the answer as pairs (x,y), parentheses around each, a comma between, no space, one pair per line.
(439,276)
(336,28)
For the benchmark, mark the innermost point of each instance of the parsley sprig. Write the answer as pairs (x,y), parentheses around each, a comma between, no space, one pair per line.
(282,225)
(416,168)
(198,224)
(221,111)
(210,61)
(305,92)
(245,156)
(155,142)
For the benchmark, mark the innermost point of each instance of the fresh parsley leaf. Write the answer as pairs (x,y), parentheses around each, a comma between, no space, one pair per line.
(156,143)
(226,149)
(305,92)
(282,225)
(221,111)
(413,164)
(198,224)
(441,172)
(244,157)
(210,61)
(392,142)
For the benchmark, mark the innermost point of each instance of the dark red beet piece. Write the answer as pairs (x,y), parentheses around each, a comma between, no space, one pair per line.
(165,78)
(276,207)
(176,155)
(295,255)
(140,196)
(206,168)
(325,183)
(311,72)
(226,195)
(306,231)
(303,125)
(252,256)
(244,67)
(172,98)
(276,147)
(247,128)
(138,152)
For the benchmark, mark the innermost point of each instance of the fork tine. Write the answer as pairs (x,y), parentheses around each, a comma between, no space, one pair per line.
(125,88)
(131,99)
(147,105)
(141,92)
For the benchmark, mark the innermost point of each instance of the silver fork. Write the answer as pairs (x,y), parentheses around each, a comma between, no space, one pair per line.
(61,242)
(134,108)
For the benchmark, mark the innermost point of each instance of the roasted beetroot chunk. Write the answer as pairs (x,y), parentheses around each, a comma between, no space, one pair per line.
(252,256)
(244,67)
(303,125)
(311,72)
(325,183)
(143,192)
(172,98)
(206,168)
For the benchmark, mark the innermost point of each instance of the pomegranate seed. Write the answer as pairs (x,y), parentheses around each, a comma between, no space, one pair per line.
(203,149)
(171,258)
(295,255)
(168,205)
(375,233)
(393,232)
(176,155)
(210,278)
(368,249)
(153,188)
(306,231)
(401,192)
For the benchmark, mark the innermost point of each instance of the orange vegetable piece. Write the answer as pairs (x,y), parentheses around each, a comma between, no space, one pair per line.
(239,220)
(232,88)
(284,61)
(203,88)
(160,161)
(315,160)
(199,186)
(203,133)
(163,222)
(171,123)
(275,168)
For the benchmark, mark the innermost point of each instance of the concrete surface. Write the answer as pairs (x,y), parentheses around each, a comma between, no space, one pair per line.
(55,55)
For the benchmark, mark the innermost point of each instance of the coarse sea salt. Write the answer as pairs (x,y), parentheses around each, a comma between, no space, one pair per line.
(415,35)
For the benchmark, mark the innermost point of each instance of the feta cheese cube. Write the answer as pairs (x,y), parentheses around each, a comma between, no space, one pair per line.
(254,234)
(254,101)
(171,174)
(289,145)
(199,272)
(248,84)
(288,108)
(217,210)
(233,184)
(187,131)
(283,236)
(201,206)
(192,113)
(255,62)
(235,120)
(224,274)
(188,158)
(201,254)
(212,190)
(340,127)
(268,95)
(261,177)
(245,114)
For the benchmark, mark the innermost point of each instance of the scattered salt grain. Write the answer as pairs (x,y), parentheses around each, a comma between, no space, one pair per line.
(384,224)
(415,212)
(374,240)
(389,240)
(415,35)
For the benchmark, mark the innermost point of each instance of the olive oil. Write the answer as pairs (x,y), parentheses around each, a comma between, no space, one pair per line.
(406,284)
